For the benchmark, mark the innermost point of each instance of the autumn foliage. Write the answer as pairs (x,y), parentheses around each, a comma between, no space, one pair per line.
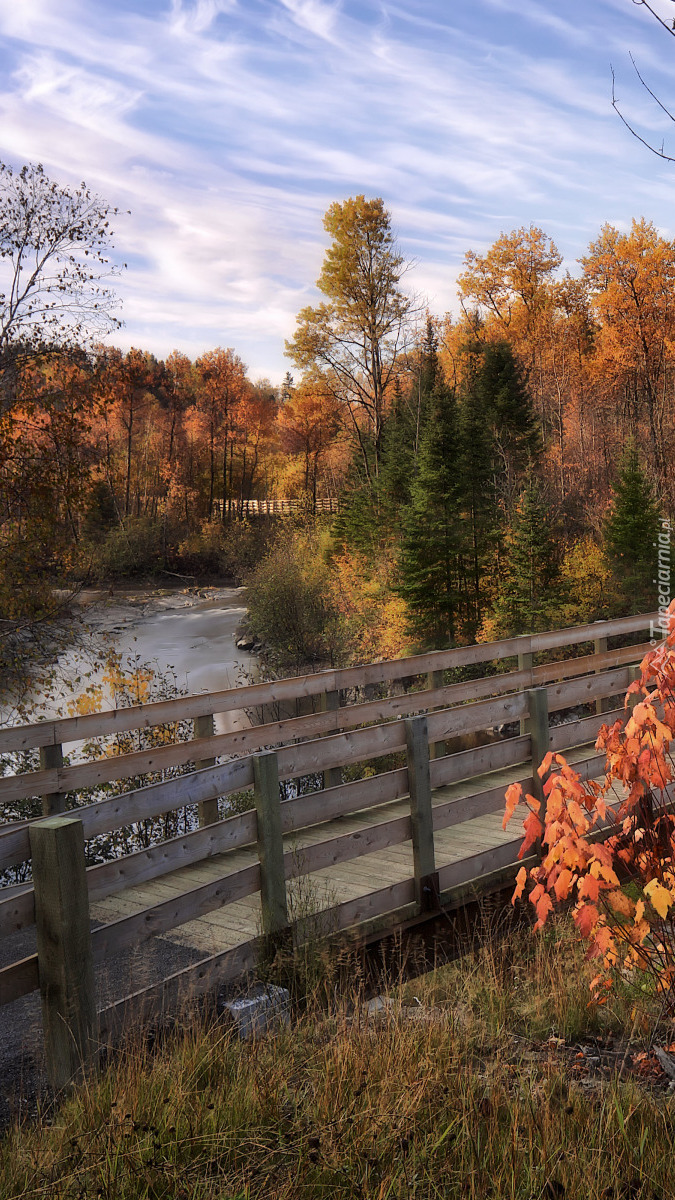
(608,847)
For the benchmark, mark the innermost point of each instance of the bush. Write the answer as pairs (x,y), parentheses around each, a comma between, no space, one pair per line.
(290,605)
(133,549)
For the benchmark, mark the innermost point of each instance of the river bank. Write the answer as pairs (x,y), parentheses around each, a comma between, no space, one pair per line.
(186,636)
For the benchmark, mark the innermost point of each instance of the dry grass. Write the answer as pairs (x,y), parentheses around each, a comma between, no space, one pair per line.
(463,1098)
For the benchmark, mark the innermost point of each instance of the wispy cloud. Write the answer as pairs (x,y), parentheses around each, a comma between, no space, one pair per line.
(229,126)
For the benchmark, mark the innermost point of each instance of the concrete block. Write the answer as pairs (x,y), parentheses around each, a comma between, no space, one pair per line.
(266,1010)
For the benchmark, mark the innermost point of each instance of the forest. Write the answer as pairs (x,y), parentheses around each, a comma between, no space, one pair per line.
(496,472)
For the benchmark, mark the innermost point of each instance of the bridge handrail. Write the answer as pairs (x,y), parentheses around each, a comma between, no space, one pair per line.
(58,851)
(59,780)
(120,720)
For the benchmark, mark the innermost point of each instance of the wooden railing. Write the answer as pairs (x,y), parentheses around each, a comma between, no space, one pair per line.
(276,508)
(318,743)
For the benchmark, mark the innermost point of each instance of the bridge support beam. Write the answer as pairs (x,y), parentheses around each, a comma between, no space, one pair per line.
(51,757)
(634,673)
(600,647)
(204,727)
(525,663)
(65,961)
(270,844)
(421,814)
(436,679)
(539,732)
(330,702)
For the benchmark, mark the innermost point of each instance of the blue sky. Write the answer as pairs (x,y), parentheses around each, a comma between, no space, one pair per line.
(228,127)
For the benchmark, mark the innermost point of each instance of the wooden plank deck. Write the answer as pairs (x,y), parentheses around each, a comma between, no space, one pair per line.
(237,922)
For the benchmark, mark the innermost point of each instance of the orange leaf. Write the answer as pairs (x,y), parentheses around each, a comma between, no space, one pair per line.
(563,884)
(521,879)
(589,888)
(533,830)
(621,903)
(545,764)
(514,795)
(543,907)
(659,896)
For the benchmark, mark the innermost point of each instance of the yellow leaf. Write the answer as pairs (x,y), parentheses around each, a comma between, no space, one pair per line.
(659,896)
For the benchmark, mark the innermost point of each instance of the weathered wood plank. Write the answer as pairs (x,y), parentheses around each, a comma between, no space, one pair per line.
(65,963)
(161,918)
(574,733)
(344,800)
(468,763)
(73,729)
(421,816)
(465,808)
(141,804)
(312,858)
(219,969)
(475,865)
(270,843)
(587,689)
(468,718)
(179,989)
(144,865)
(19,979)
(17,911)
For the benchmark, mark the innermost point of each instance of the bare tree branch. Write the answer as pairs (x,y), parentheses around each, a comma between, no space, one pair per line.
(659,152)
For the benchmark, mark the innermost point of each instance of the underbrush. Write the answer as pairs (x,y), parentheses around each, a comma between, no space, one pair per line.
(466,1083)
(147,546)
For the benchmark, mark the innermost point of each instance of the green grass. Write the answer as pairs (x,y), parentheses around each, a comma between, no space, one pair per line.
(467,1100)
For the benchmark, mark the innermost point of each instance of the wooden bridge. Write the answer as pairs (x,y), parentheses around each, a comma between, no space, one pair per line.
(395,777)
(275,508)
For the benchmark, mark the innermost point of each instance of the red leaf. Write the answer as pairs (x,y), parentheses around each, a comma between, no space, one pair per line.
(585,918)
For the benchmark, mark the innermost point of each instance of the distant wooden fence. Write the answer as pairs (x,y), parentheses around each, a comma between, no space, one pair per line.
(319,742)
(276,508)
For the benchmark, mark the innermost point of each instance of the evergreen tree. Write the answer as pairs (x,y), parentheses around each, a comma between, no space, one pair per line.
(356,526)
(370,517)
(528,583)
(478,471)
(431,565)
(500,393)
(630,534)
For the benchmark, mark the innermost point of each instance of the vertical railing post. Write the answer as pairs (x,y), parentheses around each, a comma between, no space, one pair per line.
(600,647)
(525,662)
(270,843)
(51,758)
(330,702)
(421,813)
(539,733)
(64,947)
(436,679)
(204,727)
(634,672)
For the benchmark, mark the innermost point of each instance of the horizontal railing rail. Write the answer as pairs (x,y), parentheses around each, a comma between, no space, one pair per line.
(65,730)
(59,780)
(510,711)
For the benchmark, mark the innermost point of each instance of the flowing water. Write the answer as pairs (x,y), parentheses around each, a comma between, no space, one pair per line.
(188,635)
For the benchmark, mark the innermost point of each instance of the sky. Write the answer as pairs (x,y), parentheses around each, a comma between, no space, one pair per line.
(228,127)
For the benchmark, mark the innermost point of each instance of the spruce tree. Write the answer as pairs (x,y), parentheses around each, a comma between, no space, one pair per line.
(432,561)
(500,393)
(371,507)
(527,589)
(478,470)
(630,532)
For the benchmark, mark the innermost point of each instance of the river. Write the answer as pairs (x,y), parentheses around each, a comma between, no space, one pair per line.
(186,634)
